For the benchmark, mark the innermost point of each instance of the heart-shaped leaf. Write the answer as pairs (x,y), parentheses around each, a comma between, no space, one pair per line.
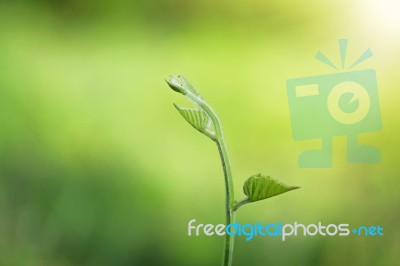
(196,117)
(259,187)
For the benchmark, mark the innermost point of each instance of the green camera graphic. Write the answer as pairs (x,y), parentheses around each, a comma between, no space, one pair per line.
(337,104)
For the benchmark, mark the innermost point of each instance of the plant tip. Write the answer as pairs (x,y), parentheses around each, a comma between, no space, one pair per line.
(174,84)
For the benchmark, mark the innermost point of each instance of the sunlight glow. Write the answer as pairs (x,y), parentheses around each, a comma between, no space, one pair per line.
(384,14)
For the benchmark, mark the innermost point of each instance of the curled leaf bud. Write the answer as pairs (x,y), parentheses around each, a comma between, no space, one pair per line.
(174,83)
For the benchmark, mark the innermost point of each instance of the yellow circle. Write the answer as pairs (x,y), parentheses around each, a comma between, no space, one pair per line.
(359,93)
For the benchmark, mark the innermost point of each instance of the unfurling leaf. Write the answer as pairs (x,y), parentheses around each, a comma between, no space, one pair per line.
(259,187)
(176,85)
(182,85)
(196,117)
(188,86)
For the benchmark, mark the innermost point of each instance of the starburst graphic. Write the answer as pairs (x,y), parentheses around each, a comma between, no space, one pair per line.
(343,52)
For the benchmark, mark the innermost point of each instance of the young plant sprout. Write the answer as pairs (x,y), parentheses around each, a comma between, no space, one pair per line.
(205,120)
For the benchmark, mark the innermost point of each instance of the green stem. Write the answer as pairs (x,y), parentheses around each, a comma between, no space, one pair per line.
(230,214)
(241,203)
(228,177)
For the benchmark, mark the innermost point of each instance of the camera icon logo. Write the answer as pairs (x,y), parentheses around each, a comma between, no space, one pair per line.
(344,103)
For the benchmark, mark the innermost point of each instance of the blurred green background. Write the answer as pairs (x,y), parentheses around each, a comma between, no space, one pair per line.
(98,168)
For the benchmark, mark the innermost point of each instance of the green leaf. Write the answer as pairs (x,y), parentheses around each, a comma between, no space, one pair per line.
(188,86)
(197,118)
(259,187)
(182,85)
(176,85)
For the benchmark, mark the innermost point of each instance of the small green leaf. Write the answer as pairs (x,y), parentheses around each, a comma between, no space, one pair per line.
(188,86)
(197,118)
(182,85)
(176,85)
(259,187)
